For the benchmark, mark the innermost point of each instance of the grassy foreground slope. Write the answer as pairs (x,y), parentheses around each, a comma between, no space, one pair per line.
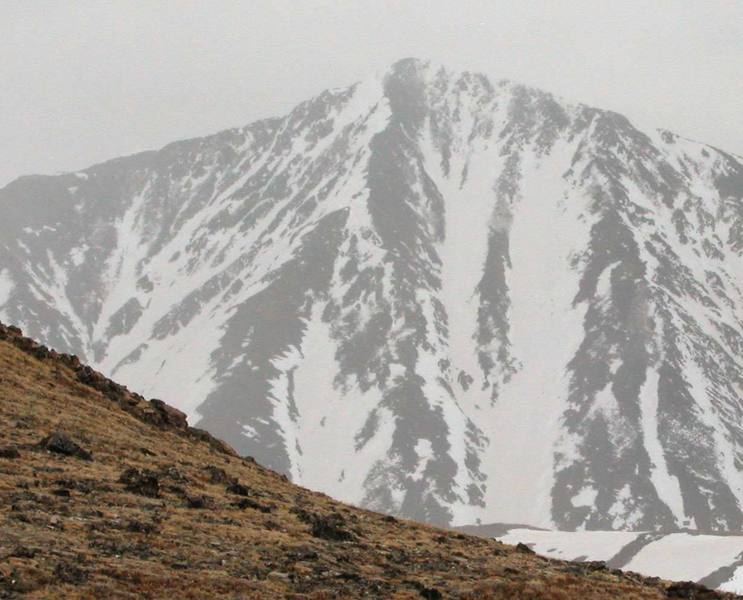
(104,494)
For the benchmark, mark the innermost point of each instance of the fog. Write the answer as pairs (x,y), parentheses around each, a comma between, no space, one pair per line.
(86,81)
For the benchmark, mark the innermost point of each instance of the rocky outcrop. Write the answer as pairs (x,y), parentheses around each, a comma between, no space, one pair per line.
(154,411)
(61,443)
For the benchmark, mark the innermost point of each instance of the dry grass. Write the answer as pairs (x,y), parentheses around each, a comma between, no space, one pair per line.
(69,528)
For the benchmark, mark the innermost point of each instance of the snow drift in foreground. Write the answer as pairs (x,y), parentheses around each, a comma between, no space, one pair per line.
(713,560)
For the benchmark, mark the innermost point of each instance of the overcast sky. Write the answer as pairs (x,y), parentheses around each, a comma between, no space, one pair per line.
(82,82)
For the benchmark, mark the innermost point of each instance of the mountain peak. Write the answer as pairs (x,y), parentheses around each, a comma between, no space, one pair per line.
(409,64)
(402,289)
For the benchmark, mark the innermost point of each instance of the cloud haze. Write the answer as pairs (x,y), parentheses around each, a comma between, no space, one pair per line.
(88,81)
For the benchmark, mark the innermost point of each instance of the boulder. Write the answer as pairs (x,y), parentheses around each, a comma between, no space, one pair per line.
(167,416)
(61,443)
(141,481)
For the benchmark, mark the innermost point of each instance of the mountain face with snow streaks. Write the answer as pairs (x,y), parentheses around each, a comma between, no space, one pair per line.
(428,293)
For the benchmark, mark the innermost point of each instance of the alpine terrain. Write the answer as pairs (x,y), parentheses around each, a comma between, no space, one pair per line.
(429,294)
(104,494)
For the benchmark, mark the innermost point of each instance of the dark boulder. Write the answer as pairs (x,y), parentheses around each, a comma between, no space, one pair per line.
(594,565)
(208,438)
(429,593)
(70,573)
(174,474)
(142,482)
(9,452)
(331,527)
(691,590)
(243,503)
(60,443)
(524,549)
(24,552)
(200,502)
(238,488)
(136,526)
(218,475)
(163,415)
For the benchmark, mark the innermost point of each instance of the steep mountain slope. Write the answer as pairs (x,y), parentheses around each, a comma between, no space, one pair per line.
(104,494)
(429,294)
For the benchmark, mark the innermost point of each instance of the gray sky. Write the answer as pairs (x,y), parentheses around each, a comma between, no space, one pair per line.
(86,81)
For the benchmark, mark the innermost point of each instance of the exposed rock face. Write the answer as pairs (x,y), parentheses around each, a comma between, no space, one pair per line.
(435,295)
(168,415)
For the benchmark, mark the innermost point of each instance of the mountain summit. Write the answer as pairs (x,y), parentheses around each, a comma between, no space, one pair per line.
(429,294)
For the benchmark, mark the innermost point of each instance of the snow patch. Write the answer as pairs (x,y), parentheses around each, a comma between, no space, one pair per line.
(6,286)
(548,229)
(586,496)
(572,545)
(667,485)
(684,556)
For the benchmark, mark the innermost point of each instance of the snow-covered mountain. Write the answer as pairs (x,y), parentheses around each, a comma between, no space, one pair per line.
(428,293)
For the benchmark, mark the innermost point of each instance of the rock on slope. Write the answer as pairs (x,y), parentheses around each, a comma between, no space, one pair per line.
(430,294)
(104,494)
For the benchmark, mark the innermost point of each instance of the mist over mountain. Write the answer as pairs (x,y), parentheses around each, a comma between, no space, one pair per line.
(430,294)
